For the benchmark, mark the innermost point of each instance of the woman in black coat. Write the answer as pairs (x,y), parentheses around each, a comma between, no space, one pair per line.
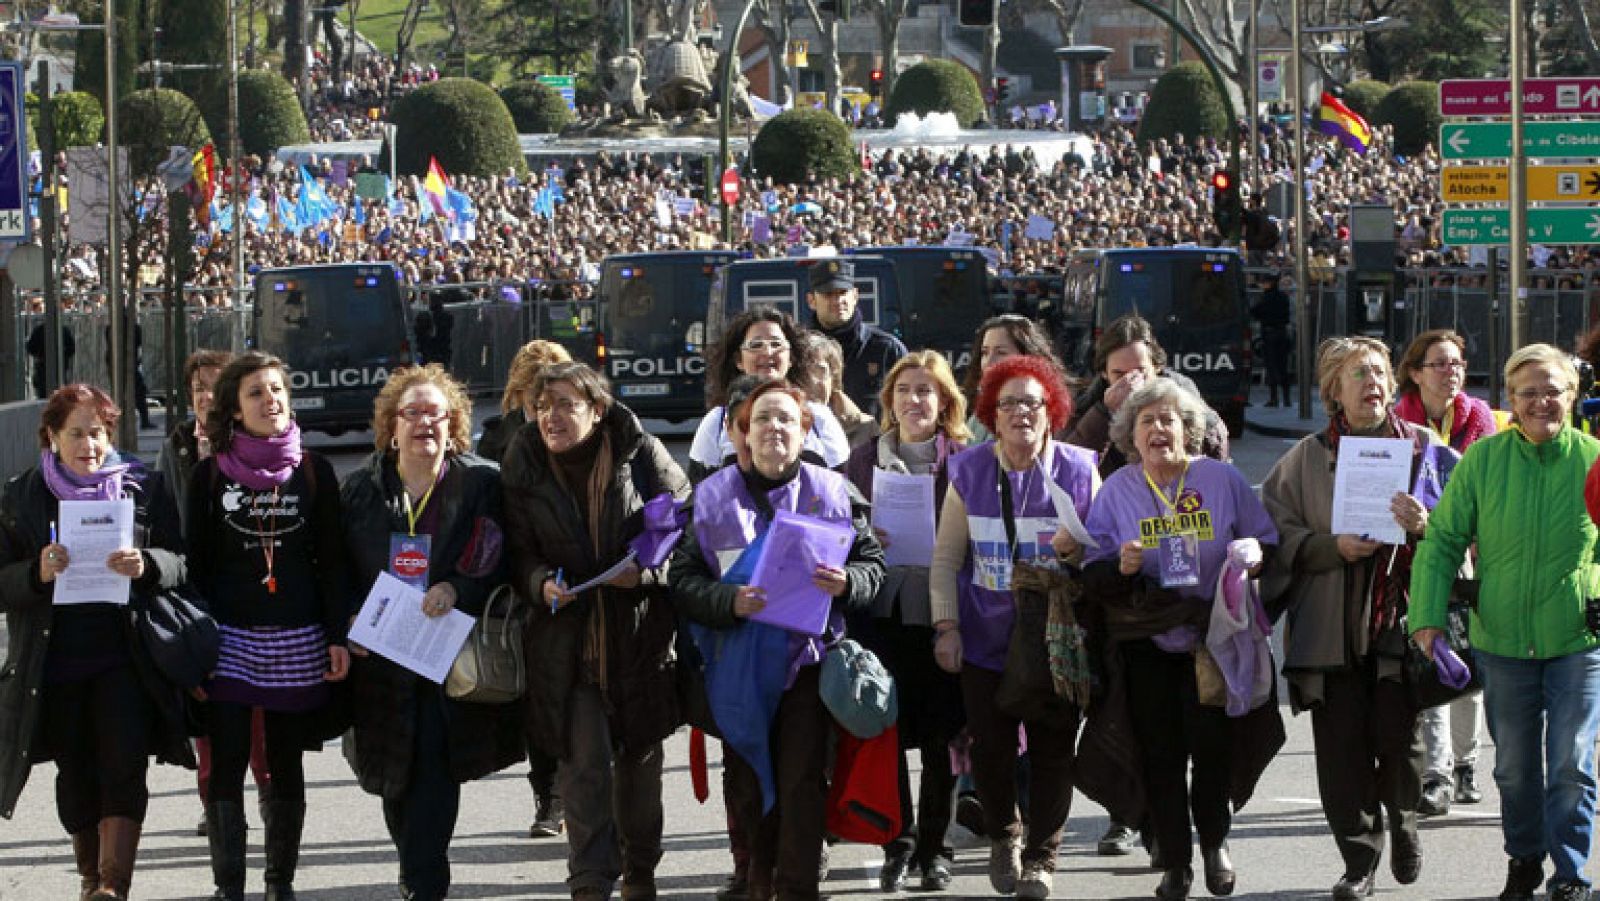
(414,746)
(601,691)
(77,687)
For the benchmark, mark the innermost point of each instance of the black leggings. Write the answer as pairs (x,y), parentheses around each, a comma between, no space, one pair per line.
(98,732)
(230,752)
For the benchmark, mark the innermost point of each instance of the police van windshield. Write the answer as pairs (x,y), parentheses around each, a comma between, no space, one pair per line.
(950,298)
(1191,289)
(656,311)
(319,320)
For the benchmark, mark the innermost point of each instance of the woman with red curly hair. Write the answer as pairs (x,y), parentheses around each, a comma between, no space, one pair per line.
(1001,533)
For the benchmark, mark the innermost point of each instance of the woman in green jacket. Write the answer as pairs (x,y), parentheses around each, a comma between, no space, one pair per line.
(1519,496)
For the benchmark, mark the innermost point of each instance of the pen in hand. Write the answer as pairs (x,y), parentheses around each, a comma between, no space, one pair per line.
(53,532)
(554,601)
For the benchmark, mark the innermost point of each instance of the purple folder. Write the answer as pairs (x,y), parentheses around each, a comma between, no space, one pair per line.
(795,546)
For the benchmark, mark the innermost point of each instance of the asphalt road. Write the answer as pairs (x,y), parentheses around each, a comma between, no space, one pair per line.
(1280,843)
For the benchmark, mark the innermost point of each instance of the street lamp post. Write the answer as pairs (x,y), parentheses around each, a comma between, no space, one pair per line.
(235,166)
(121,332)
(1521,322)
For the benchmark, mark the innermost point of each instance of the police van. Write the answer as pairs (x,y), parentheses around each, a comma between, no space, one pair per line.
(945,295)
(340,329)
(1195,300)
(782,284)
(652,327)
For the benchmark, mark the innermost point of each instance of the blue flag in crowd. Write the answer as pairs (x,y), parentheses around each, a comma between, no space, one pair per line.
(288,219)
(255,209)
(314,199)
(358,211)
(222,216)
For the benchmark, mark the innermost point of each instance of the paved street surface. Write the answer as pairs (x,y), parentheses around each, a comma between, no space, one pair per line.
(1280,843)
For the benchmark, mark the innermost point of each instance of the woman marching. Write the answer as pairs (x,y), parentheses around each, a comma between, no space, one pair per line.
(266,543)
(81,690)
(419,496)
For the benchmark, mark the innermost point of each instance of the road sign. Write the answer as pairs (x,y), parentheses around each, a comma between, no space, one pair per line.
(14,220)
(1269,79)
(1540,140)
(1540,96)
(565,85)
(1546,184)
(730,186)
(1573,225)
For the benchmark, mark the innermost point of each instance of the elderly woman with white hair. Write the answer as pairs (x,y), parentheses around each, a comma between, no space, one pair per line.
(1165,527)
(1344,638)
(1516,496)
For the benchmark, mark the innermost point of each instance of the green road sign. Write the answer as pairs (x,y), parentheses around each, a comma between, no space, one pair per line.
(1578,225)
(1540,140)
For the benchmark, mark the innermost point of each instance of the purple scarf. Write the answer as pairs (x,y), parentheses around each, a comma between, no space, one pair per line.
(261,463)
(104,484)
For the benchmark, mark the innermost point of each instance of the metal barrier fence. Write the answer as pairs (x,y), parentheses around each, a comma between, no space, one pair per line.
(492,320)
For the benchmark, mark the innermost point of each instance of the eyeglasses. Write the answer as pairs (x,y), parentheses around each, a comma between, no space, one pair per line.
(565,406)
(768,345)
(1015,405)
(1446,365)
(423,414)
(1361,373)
(1534,395)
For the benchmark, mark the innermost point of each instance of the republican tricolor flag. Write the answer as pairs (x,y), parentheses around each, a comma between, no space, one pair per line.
(434,187)
(1334,118)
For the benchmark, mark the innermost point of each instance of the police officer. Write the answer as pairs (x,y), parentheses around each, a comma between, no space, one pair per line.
(869,352)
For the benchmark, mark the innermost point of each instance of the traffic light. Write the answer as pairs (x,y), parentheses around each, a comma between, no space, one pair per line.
(1227,210)
(1002,91)
(975,13)
(875,82)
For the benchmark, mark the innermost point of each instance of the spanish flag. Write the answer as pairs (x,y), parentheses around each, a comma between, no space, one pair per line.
(434,186)
(203,185)
(1334,118)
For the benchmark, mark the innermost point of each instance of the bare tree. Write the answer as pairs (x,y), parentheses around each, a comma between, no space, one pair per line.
(828,36)
(1579,13)
(772,20)
(1066,12)
(889,14)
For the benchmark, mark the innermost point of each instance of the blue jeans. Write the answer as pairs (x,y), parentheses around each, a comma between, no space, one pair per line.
(1543,716)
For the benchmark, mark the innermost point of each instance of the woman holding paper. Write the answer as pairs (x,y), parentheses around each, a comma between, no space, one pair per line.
(1433,374)
(1168,528)
(1001,516)
(1533,630)
(1345,631)
(266,548)
(923,426)
(601,683)
(82,692)
(429,514)
(733,508)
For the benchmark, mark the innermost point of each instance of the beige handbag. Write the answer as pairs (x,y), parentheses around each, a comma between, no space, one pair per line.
(489,669)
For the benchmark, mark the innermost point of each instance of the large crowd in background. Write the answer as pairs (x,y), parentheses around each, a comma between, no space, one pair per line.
(1125,193)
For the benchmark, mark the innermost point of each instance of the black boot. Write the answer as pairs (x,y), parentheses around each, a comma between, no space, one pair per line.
(285,819)
(225,833)
(86,850)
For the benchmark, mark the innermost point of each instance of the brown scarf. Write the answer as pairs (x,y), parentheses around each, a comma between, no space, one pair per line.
(1391,567)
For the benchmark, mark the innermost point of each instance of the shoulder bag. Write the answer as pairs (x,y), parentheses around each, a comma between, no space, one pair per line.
(179,635)
(489,669)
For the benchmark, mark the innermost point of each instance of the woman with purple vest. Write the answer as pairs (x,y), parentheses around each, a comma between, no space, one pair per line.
(923,413)
(1164,527)
(732,507)
(999,512)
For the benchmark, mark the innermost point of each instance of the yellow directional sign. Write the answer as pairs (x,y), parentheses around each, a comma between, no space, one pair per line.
(1546,184)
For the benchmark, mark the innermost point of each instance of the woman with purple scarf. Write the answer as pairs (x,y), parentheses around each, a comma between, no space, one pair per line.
(268,545)
(79,689)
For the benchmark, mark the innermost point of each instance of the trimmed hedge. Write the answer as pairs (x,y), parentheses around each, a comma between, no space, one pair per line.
(269,114)
(1364,96)
(536,108)
(798,143)
(151,121)
(78,118)
(1412,110)
(1185,101)
(462,123)
(936,85)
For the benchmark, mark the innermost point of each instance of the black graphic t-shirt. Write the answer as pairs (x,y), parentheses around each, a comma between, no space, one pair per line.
(269,558)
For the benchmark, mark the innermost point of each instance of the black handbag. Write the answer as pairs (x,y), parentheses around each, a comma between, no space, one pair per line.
(1423,688)
(1027,689)
(179,635)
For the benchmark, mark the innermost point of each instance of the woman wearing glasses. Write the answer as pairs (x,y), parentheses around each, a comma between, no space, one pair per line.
(764,343)
(1515,496)
(427,513)
(1433,374)
(999,518)
(601,692)
(1344,640)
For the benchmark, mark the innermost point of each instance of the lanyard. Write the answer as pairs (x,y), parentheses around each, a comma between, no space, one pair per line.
(1448,421)
(1006,510)
(1170,505)
(268,535)
(413,515)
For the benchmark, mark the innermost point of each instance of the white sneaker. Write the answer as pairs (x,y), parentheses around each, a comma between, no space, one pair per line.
(1005,864)
(1035,882)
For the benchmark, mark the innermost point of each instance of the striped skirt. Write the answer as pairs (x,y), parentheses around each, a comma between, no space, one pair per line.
(273,667)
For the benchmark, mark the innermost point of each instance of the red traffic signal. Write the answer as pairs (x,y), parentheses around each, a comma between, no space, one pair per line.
(1222,181)
(876,76)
